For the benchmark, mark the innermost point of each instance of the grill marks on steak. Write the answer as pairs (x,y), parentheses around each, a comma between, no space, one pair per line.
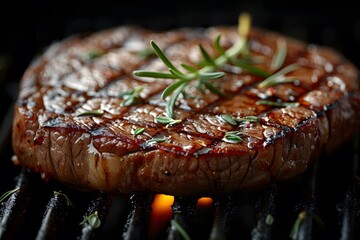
(101,152)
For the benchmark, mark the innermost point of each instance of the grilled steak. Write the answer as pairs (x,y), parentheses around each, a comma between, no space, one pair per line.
(71,123)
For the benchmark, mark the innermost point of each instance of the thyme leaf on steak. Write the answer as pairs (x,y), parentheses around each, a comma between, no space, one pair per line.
(8,194)
(68,201)
(92,220)
(208,68)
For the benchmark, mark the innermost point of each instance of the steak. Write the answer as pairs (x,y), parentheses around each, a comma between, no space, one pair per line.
(72,123)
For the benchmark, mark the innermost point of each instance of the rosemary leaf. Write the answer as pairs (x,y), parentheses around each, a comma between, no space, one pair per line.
(172,87)
(280,55)
(232,137)
(138,131)
(212,75)
(229,119)
(151,74)
(95,112)
(250,119)
(171,103)
(8,194)
(163,57)
(167,120)
(278,104)
(208,60)
(278,77)
(153,141)
(217,45)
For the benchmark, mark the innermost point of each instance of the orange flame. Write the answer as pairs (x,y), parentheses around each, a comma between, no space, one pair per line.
(204,202)
(160,215)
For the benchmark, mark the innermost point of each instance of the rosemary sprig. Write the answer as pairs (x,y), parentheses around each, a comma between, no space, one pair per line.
(278,104)
(130,97)
(95,112)
(92,220)
(203,74)
(8,194)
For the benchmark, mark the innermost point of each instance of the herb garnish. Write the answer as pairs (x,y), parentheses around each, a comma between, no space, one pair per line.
(68,201)
(153,141)
(232,137)
(279,77)
(91,113)
(278,104)
(8,194)
(236,121)
(138,131)
(280,55)
(167,120)
(180,229)
(203,74)
(130,97)
(92,220)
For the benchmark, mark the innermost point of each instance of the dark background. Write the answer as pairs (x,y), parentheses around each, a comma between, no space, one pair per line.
(32,25)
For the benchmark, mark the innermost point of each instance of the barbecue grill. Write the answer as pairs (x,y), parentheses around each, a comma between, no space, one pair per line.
(322,203)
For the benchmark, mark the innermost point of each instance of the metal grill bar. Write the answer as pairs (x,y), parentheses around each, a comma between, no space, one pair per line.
(15,207)
(138,219)
(225,211)
(266,208)
(56,213)
(183,209)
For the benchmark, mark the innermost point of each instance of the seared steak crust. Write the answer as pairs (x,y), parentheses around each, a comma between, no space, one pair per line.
(100,152)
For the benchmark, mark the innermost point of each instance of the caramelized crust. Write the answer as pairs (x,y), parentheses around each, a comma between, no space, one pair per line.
(101,152)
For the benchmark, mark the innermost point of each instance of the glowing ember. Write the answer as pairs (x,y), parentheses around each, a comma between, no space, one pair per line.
(204,202)
(160,215)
